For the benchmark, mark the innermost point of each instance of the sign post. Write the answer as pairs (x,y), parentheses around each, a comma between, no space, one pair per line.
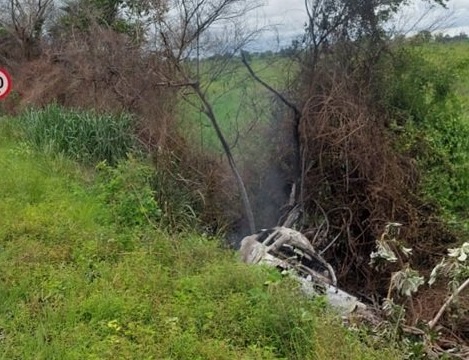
(5,83)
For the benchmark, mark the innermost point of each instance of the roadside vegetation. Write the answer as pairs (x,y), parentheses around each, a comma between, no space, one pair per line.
(88,273)
(432,90)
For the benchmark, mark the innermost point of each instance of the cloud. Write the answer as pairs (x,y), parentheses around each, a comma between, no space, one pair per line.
(460,8)
(285,20)
(460,4)
(283,14)
(291,14)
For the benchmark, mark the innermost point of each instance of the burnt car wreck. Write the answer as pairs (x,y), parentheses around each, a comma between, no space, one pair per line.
(290,251)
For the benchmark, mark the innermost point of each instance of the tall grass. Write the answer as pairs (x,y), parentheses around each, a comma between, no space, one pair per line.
(76,286)
(86,136)
(108,142)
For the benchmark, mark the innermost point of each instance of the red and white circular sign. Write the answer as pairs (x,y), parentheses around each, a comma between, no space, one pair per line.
(5,83)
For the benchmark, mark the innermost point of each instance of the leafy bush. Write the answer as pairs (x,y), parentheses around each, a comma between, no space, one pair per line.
(85,136)
(421,95)
(126,189)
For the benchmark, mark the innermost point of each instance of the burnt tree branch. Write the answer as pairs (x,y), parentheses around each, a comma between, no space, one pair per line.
(288,103)
(208,111)
(297,171)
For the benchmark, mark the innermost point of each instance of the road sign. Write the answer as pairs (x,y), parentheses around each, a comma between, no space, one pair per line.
(5,83)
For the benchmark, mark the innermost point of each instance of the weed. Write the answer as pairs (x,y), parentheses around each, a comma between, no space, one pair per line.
(126,190)
(84,136)
(422,93)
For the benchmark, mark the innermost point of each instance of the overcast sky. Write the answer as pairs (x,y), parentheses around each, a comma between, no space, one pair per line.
(461,12)
(288,16)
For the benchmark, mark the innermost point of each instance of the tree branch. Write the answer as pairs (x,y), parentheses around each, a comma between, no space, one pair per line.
(270,88)
(298,172)
(208,110)
(432,323)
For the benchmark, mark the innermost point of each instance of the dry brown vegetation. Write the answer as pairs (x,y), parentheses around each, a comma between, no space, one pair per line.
(354,180)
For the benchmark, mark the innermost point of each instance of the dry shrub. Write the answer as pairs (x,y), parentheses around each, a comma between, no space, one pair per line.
(103,70)
(10,50)
(355,181)
(195,188)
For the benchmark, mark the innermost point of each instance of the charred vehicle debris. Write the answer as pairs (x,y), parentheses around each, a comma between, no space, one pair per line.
(291,252)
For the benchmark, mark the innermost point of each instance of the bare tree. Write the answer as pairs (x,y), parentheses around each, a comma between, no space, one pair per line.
(24,20)
(194,26)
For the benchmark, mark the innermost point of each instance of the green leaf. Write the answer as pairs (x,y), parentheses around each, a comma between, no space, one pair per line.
(407,281)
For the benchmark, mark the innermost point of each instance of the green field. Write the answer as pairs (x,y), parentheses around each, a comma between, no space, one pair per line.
(456,57)
(446,128)
(241,104)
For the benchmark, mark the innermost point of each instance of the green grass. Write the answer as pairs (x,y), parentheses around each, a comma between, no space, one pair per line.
(78,283)
(436,89)
(452,55)
(86,136)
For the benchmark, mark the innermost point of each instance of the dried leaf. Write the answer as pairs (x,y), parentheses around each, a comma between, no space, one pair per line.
(436,270)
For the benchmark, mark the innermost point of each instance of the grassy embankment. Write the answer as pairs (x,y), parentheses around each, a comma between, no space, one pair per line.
(85,276)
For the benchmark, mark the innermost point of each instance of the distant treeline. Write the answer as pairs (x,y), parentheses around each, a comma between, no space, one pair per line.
(424,36)
(427,36)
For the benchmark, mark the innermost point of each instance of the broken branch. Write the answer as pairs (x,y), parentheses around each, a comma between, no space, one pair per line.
(435,320)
